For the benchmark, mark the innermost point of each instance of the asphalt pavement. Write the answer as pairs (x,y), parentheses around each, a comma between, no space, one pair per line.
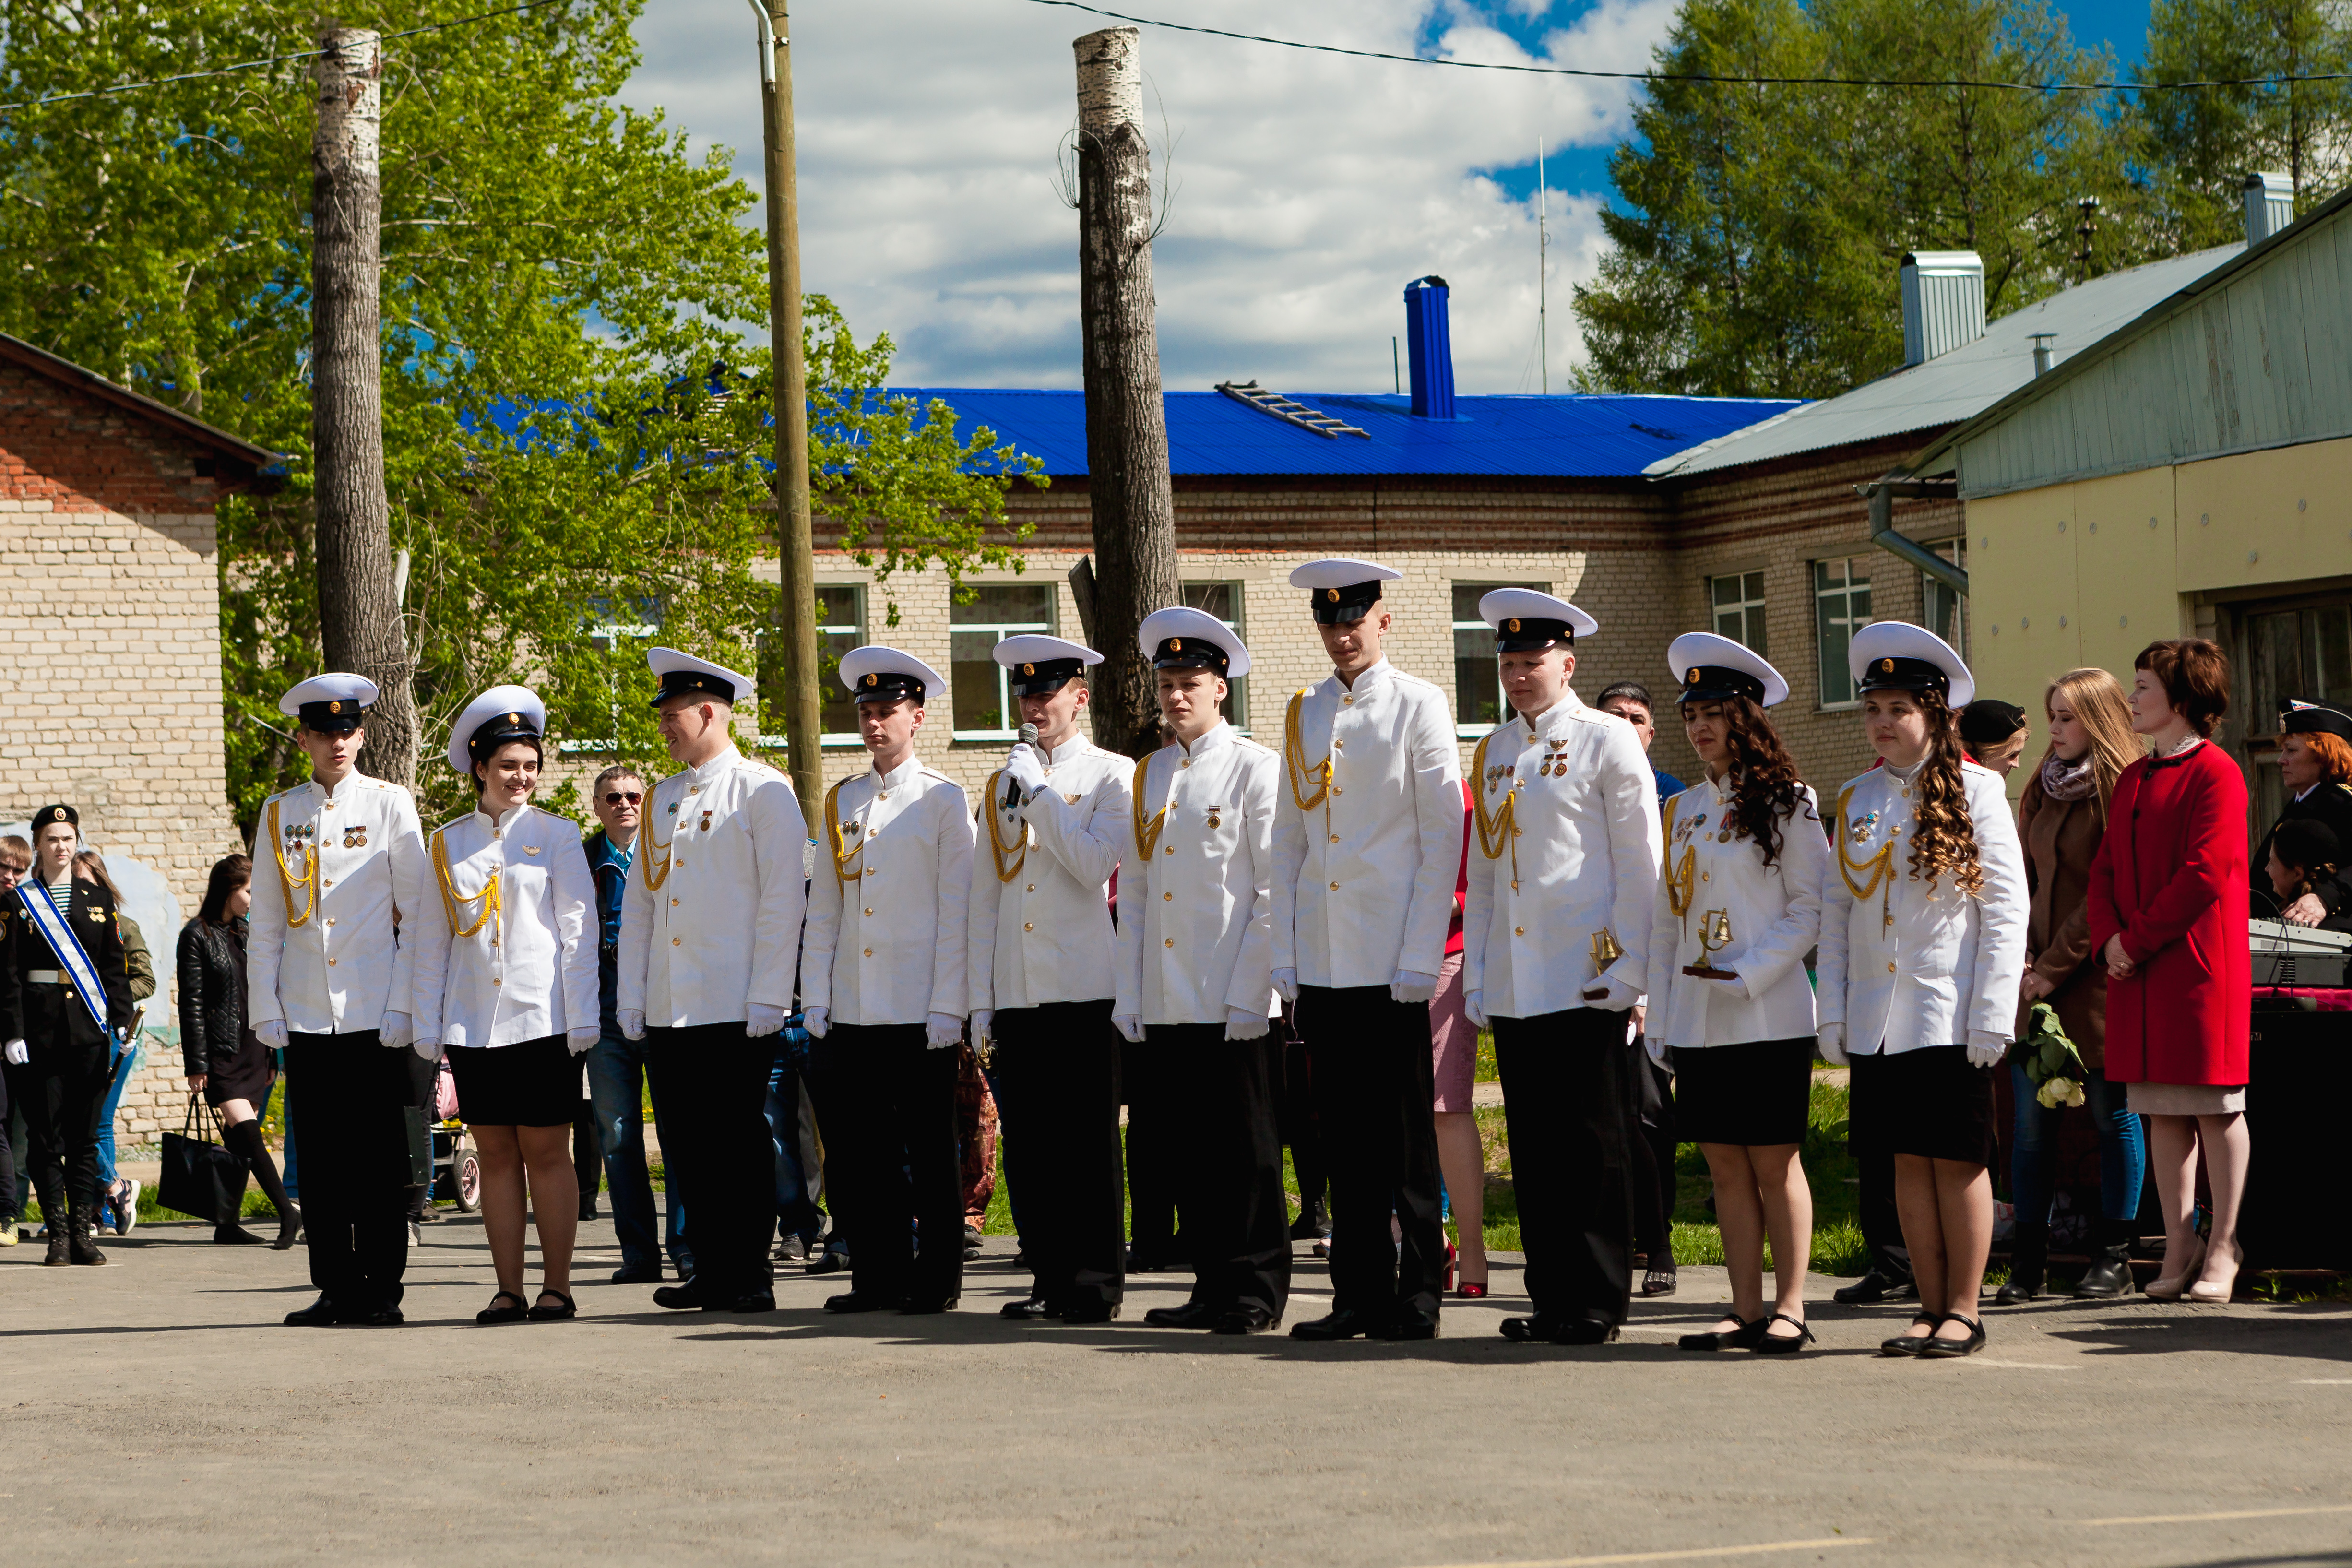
(156,1412)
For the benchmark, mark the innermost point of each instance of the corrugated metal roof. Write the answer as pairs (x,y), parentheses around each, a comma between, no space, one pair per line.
(1499,438)
(1957,386)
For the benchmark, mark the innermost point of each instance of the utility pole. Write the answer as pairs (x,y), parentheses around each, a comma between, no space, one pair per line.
(1128,490)
(795,532)
(359,605)
(1543,269)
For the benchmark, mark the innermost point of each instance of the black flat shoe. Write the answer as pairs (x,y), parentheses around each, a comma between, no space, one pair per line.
(858,1301)
(1036,1309)
(749,1301)
(1553,1328)
(637,1274)
(563,1310)
(379,1317)
(1085,1312)
(1247,1321)
(1873,1287)
(1742,1338)
(1783,1345)
(319,1314)
(1944,1348)
(1411,1326)
(1908,1345)
(1348,1325)
(1190,1315)
(494,1314)
(683,1297)
(924,1306)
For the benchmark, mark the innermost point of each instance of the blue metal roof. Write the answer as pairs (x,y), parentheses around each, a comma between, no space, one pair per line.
(1495,438)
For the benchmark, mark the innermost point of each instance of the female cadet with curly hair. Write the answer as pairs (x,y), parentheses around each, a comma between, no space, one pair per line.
(1923,947)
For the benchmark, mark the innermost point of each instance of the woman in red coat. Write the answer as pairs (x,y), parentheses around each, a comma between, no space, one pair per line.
(2169,917)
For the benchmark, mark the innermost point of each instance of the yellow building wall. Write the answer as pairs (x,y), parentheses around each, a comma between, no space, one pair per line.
(2092,572)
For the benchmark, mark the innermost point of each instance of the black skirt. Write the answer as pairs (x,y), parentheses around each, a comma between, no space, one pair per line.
(531,1083)
(1753,1094)
(246,1076)
(1929,1102)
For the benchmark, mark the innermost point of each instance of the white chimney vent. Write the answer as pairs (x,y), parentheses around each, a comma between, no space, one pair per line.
(1943,302)
(2270,206)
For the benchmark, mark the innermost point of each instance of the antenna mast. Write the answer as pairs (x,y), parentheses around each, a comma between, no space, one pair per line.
(1543,269)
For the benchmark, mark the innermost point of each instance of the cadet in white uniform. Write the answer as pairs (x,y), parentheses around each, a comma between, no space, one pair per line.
(338,873)
(505,980)
(710,925)
(1556,939)
(1738,907)
(1923,947)
(1367,846)
(884,988)
(1043,981)
(1195,983)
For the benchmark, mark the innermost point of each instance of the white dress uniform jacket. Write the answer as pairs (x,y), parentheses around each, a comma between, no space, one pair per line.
(1582,857)
(1194,904)
(1900,968)
(529,970)
(1364,878)
(886,937)
(1041,929)
(710,916)
(325,950)
(1774,913)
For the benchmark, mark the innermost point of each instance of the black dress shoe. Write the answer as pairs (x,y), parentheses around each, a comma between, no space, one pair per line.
(749,1301)
(378,1318)
(1094,1311)
(924,1306)
(1348,1325)
(1410,1325)
(1873,1287)
(1911,1344)
(1937,1347)
(319,1314)
(1250,1319)
(1557,1328)
(683,1296)
(637,1274)
(1034,1308)
(1742,1338)
(858,1301)
(1190,1315)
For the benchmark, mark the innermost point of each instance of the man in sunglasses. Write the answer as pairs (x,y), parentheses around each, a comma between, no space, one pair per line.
(616,1063)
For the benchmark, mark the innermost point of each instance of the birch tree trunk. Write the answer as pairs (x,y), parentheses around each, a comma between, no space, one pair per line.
(1126,425)
(359,609)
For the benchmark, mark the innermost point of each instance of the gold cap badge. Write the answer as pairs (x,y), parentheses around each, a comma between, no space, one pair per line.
(1175,645)
(334,707)
(1692,679)
(514,718)
(1332,594)
(57,814)
(1028,669)
(1886,667)
(1512,625)
(869,680)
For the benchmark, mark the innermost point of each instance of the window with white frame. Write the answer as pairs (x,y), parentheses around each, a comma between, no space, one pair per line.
(984,705)
(841,626)
(1946,608)
(1841,608)
(608,622)
(1738,600)
(1223,600)
(1479,701)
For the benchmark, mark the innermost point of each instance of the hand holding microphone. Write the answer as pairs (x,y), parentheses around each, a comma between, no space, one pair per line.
(1014,781)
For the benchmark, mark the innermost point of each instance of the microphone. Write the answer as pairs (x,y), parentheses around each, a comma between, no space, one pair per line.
(1012,786)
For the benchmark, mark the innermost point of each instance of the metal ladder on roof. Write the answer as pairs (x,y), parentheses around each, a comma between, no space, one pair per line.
(1289,409)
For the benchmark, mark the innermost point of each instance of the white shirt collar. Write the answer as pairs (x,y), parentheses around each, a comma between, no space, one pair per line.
(1553,719)
(1380,670)
(499,823)
(1219,734)
(902,774)
(342,791)
(2301,793)
(1076,746)
(714,767)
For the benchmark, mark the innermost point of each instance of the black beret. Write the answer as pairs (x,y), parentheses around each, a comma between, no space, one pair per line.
(1988,722)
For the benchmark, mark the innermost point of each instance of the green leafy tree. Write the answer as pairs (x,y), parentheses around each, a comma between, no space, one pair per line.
(570,456)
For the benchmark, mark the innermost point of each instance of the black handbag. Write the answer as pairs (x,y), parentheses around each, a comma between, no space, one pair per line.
(202,1177)
(416,1132)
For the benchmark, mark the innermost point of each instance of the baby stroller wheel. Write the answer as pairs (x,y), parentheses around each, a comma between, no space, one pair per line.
(469,1176)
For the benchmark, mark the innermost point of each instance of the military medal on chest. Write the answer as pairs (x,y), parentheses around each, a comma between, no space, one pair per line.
(355,838)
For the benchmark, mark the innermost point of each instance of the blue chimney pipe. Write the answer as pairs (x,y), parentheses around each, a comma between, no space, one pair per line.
(1429,343)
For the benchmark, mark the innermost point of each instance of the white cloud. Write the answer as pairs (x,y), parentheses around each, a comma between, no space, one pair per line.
(1310,188)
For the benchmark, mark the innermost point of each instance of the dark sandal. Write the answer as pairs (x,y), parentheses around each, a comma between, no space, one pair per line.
(1939,1348)
(1659,1282)
(1769,1344)
(1744,1337)
(540,1312)
(1908,1345)
(494,1313)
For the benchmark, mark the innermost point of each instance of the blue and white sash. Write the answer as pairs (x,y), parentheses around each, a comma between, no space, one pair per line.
(42,911)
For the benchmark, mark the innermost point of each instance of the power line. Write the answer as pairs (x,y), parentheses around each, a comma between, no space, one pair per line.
(268,61)
(1704,75)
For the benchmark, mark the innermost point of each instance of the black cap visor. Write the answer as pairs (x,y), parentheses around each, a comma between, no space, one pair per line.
(1719,683)
(339,716)
(1530,633)
(1341,606)
(695,683)
(888,685)
(1044,677)
(1192,653)
(1905,675)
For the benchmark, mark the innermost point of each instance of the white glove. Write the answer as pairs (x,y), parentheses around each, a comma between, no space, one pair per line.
(1986,1048)
(1024,768)
(271,1033)
(1621,996)
(942,1030)
(817,1021)
(1244,1024)
(1412,985)
(1129,1026)
(1285,984)
(396,1030)
(631,1022)
(1473,1007)
(1658,1048)
(765,1020)
(15,1053)
(1831,1041)
(1734,987)
(580,1039)
(983,1020)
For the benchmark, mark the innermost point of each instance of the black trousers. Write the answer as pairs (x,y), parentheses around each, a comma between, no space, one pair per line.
(1237,1217)
(1300,1132)
(11,1205)
(711,1081)
(885,1106)
(1373,1089)
(63,1089)
(351,1124)
(1564,1086)
(1059,1064)
(1652,1147)
(1156,1149)
(1882,1225)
